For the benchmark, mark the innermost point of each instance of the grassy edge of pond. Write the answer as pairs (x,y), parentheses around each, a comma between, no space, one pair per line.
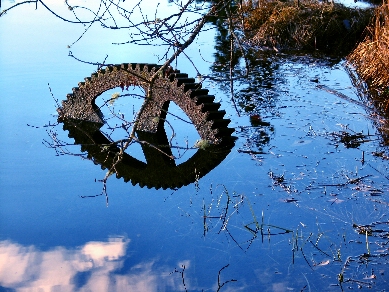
(333,29)
(370,59)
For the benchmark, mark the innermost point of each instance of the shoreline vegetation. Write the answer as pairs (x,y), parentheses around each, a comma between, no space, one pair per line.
(360,35)
(371,56)
(331,28)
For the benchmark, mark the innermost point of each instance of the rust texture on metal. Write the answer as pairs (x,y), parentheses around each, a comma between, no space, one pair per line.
(171,86)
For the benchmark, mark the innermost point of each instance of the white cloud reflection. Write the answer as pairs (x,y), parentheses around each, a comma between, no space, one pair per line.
(91,267)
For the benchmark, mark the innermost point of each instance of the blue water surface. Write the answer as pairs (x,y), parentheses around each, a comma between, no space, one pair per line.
(276,214)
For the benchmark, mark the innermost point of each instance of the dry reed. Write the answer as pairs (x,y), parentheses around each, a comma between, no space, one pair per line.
(371,57)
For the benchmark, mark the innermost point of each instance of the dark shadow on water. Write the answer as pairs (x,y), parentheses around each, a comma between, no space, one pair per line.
(160,171)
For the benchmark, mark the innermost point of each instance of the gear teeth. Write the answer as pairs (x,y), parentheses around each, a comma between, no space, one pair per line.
(224,132)
(176,75)
(220,123)
(144,67)
(199,93)
(191,86)
(210,107)
(186,81)
(125,66)
(204,99)
(215,115)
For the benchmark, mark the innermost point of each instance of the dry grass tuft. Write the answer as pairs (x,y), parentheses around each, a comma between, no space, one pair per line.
(371,57)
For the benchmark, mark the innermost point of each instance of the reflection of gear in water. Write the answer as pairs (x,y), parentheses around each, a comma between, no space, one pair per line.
(83,119)
(177,87)
(160,171)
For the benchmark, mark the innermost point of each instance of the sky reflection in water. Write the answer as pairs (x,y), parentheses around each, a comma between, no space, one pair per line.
(288,174)
(89,267)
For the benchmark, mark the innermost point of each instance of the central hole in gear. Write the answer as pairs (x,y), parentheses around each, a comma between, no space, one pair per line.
(119,109)
(181,132)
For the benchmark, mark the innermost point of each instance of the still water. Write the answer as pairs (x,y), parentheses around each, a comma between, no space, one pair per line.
(299,200)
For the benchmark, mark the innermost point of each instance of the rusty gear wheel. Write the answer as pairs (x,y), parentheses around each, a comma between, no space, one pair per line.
(170,86)
(83,119)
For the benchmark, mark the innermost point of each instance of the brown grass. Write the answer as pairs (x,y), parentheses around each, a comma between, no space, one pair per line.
(309,26)
(371,57)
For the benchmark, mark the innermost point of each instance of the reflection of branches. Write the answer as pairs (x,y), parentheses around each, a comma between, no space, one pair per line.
(223,210)
(62,148)
(182,275)
(126,125)
(263,228)
(225,214)
(219,284)
(58,145)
